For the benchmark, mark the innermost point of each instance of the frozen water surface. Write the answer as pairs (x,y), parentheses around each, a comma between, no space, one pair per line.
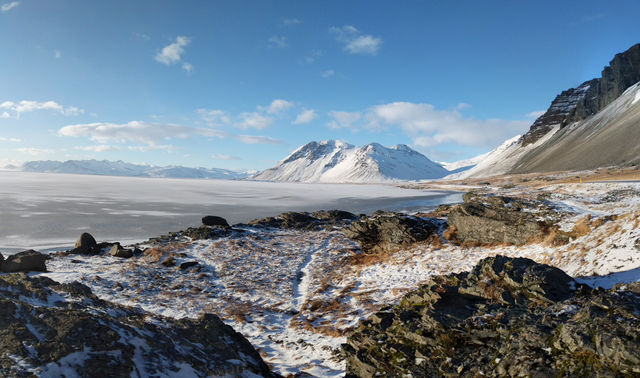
(49,211)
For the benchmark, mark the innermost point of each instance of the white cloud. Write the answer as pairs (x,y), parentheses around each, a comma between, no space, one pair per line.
(277,41)
(343,119)
(25,106)
(224,157)
(256,139)
(8,6)
(168,148)
(277,106)
(328,73)
(291,21)
(5,115)
(254,120)
(15,140)
(430,127)
(312,56)
(152,135)
(142,36)
(187,67)
(214,117)
(305,117)
(98,148)
(535,114)
(172,53)
(33,151)
(134,131)
(355,42)
(57,54)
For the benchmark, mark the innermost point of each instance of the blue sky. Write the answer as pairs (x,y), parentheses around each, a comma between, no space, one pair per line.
(240,84)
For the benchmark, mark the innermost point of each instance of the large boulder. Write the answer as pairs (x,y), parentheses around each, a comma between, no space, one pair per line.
(389,231)
(86,245)
(486,220)
(215,221)
(507,317)
(49,329)
(25,262)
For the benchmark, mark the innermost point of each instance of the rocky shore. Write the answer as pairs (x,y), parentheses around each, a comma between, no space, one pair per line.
(508,316)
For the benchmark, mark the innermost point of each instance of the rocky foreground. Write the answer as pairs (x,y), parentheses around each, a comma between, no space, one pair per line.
(300,285)
(507,317)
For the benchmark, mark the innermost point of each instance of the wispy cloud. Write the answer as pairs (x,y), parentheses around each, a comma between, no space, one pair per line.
(98,148)
(328,73)
(142,36)
(291,21)
(311,56)
(34,151)
(26,106)
(355,42)
(152,135)
(15,140)
(535,114)
(305,117)
(277,41)
(9,6)
(343,119)
(157,147)
(225,157)
(277,106)
(57,54)
(173,52)
(214,117)
(254,120)
(429,127)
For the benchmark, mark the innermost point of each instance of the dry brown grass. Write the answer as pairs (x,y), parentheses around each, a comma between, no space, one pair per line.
(582,228)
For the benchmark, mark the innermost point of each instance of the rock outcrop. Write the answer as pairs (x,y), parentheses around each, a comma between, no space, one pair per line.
(507,317)
(317,220)
(590,97)
(26,261)
(486,220)
(118,251)
(389,232)
(52,329)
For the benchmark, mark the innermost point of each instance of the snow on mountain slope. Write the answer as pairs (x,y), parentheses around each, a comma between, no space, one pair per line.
(120,168)
(338,161)
(607,138)
(463,165)
(494,162)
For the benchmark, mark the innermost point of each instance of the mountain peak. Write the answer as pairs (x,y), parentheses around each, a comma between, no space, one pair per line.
(339,161)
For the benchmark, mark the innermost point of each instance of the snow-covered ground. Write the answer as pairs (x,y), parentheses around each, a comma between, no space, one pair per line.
(295,294)
(44,210)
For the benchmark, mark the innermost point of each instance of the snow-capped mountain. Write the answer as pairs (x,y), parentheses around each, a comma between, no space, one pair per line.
(120,168)
(338,161)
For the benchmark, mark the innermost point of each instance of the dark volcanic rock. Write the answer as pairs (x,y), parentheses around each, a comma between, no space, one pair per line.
(212,220)
(507,317)
(497,220)
(317,220)
(25,262)
(590,97)
(389,231)
(47,329)
(86,245)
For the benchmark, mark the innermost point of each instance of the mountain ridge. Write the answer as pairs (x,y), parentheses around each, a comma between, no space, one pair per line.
(338,161)
(121,168)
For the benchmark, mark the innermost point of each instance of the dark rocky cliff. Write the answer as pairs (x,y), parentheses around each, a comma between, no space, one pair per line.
(590,97)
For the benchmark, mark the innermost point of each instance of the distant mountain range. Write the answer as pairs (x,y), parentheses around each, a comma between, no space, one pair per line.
(120,168)
(338,161)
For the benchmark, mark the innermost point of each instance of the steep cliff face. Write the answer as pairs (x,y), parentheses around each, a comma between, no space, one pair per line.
(590,97)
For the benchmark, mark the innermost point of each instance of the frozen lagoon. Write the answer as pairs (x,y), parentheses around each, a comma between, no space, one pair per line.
(48,211)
